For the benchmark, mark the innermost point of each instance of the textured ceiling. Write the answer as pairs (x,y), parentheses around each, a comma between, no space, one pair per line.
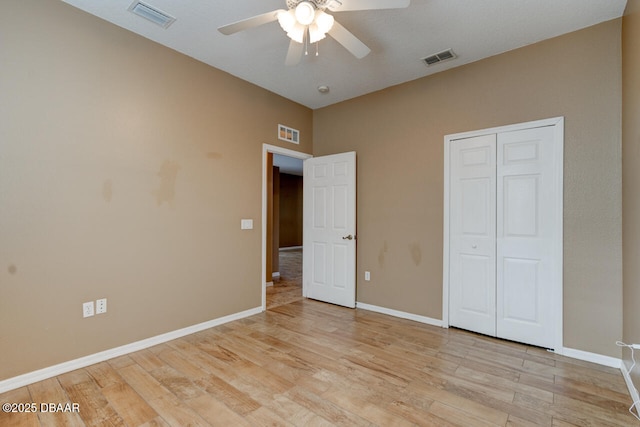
(398,39)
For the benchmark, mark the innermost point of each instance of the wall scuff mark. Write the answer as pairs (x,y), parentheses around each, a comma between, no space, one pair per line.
(416,252)
(382,253)
(107,190)
(168,174)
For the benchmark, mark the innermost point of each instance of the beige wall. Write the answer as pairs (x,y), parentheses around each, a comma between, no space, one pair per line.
(116,158)
(398,135)
(631,175)
(116,154)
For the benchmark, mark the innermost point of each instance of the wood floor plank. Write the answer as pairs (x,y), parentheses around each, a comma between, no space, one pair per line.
(156,422)
(129,405)
(176,413)
(489,380)
(331,412)
(95,409)
(142,382)
(307,363)
(236,399)
(573,415)
(215,412)
(103,374)
(361,404)
(263,417)
(18,418)
(417,412)
(50,391)
(459,417)
(514,421)
(452,399)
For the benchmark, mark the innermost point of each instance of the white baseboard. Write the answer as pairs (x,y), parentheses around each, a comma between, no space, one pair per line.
(290,248)
(52,371)
(611,362)
(269,284)
(633,391)
(401,314)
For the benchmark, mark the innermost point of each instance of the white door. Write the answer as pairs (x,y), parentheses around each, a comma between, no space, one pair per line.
(472,238)
(329,245)
(526,230)
(505,234)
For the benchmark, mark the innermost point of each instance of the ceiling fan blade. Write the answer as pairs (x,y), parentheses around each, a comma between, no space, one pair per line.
(349,41)
(245,24)
(294,54)
(347,5)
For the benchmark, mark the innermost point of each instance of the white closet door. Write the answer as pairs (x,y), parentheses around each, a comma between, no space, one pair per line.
(526,227)
(472,297)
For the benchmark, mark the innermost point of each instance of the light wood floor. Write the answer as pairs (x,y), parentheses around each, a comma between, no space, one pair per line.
(310,363)
(288,287)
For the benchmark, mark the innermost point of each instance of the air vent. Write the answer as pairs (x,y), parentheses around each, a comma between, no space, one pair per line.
(445,55)
(286,133)
(152,14)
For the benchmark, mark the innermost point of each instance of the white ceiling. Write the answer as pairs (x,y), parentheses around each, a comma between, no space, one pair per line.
(289,165)
(398,39)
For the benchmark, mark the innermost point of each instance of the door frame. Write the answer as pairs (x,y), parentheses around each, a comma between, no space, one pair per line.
(557,309)
(273,149)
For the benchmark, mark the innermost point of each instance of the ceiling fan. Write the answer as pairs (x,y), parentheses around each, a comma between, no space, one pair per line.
(307,22)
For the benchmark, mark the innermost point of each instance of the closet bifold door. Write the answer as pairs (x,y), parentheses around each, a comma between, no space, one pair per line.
(472,238)
(526,207)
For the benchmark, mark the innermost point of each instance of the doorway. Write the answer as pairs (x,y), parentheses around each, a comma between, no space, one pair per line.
(283,285)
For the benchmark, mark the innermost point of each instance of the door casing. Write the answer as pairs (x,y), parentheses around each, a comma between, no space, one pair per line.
(266,149)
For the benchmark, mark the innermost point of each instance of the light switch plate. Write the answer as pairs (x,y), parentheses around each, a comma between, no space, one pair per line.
(246,224)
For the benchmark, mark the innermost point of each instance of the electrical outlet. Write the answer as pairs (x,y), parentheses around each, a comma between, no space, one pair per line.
(101,306)
(87,309)
(367,275)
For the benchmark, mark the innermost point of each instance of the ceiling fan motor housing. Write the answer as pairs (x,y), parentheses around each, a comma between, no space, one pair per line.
(319,4)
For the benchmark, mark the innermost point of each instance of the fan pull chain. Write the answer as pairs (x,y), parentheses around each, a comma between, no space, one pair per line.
(318,48)
(305,37)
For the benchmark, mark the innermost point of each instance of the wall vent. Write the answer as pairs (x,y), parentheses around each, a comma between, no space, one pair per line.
(286,133)
(445,55)
(152,14)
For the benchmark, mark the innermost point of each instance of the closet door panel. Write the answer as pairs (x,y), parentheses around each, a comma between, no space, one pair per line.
(472,234)
(525,230)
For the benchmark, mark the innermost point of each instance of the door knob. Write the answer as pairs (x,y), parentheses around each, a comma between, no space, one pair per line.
(349,237)
(474,246)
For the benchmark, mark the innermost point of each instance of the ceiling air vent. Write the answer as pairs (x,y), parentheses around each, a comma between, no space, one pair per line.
(445,55)
(152,14)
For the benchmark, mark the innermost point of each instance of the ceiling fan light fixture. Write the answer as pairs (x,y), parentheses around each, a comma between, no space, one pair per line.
(324,21)
(287,20)
(297,33)
(315,34)
(305,12)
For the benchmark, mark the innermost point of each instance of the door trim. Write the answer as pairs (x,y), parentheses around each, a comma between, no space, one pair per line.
(266,149)
(558,124)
